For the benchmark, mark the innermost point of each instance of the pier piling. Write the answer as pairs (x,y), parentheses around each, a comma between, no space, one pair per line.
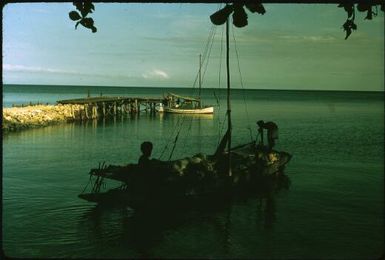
(103,106)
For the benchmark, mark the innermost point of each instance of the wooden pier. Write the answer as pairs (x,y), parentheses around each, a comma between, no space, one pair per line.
(103,106)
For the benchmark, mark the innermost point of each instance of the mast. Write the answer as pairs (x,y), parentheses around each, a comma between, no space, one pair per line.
(200,80)
(229,126)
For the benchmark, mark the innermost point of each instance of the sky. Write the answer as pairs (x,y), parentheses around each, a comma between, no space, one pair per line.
(291,46)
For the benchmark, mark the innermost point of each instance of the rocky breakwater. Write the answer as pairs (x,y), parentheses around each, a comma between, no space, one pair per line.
(18,118)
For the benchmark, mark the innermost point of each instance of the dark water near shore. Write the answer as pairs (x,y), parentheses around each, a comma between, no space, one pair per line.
(333,209)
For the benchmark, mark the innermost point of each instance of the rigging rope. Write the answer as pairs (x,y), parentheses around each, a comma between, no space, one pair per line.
(205,55)
(219,86)
(179,125)
(243,89)
(173,147)
(168,142)
(205,58)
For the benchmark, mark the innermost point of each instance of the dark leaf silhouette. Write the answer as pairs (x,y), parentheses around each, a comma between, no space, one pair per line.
(220,17)
(85,7)
(74,16)
(363,7)
(349,8)
(239,16)
(87,22)
(239,13)
(84,12)
(348,26)
(256,8)
(366,8)
(78,5)
(89,6)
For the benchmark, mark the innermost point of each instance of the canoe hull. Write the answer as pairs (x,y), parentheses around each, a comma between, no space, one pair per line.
(205,110)
(198,178)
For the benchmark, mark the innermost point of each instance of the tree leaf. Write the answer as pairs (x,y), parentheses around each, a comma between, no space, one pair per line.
(348,26)
(87,22)
(76,25)
(84,12)
(220,16)
(74,16)
(349,8)
(239,16)
(348,32)
(256,7)
(88,6)
(79,5)
(363,7)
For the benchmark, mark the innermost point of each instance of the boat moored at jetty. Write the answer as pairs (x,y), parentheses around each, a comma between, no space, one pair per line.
(184,105)
(177,104)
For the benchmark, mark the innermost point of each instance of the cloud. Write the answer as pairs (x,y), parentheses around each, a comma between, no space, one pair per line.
(40,10)
(155,73)
(22,68)
(308,38)
(29,69)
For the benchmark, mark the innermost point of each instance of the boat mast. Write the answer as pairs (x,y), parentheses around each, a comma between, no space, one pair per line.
(229,127)
(200,80)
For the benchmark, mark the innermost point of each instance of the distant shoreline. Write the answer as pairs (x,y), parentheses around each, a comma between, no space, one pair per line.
(206,89)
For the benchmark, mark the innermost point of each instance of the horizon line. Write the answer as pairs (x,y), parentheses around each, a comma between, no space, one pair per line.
(263,89)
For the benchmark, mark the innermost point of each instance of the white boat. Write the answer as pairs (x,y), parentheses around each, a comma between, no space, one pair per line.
(177,104)
(184,105)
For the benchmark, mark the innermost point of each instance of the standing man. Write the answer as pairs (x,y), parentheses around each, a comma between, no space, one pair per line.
(272,132)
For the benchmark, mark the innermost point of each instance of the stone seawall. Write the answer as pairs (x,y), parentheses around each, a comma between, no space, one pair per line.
(18,118)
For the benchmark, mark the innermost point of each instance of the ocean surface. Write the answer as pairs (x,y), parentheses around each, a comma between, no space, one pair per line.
(333,209)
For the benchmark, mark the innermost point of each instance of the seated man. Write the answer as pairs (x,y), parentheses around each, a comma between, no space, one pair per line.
(151,165)
(146,148)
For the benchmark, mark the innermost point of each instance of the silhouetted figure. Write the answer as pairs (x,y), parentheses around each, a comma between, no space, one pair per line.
(152,173)
(146,148)
(272,132)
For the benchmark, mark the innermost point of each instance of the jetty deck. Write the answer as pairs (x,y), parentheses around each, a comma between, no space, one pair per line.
(104,106)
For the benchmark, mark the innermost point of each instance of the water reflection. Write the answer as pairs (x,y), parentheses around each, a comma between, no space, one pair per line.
(188,116)
(146,233)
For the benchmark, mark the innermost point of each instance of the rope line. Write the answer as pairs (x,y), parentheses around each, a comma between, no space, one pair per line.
(205,57)
(243,89)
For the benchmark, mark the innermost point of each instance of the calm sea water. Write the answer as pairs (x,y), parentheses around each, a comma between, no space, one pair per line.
(332,210)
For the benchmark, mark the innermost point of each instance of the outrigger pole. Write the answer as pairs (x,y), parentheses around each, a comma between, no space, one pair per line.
(229,126)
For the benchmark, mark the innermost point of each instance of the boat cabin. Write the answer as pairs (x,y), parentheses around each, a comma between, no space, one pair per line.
(181,102)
